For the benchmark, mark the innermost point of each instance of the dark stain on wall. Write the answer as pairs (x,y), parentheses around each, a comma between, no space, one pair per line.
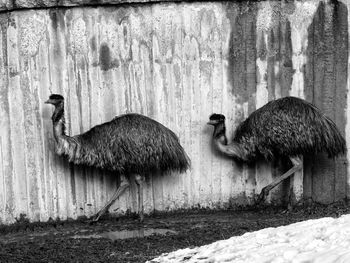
(242,51)
(105,57)
(326,86)
(285,77)
(261,49)
(53,16)
(93,44)
(341,27)
(57,18)
(242,61)
(105,61)
(54,23)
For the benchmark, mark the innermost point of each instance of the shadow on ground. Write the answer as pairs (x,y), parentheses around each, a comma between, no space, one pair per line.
(78,241)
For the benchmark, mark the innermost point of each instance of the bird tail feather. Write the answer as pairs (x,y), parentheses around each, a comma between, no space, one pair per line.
(333,141)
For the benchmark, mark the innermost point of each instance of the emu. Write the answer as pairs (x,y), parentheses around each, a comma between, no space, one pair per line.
(288,127)
(131,145)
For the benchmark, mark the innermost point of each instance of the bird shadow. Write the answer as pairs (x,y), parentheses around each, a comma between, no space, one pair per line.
(87,186)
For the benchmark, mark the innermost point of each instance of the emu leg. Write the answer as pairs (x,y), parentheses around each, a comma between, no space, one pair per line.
(297,165)
(139,182)
(296,187)
(124,184)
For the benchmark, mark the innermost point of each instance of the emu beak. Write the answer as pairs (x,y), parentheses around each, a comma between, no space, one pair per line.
(211,122)
(48,101)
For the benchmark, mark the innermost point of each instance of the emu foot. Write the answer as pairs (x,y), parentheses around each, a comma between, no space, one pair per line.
(141,218)
(137,217)
(262,196)
(99,214)
(96,217)
(91,222)
(288,209)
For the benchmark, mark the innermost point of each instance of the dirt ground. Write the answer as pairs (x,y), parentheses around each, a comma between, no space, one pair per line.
(75,241)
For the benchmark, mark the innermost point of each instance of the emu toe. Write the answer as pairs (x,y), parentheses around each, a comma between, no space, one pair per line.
(96,217)
(262,196)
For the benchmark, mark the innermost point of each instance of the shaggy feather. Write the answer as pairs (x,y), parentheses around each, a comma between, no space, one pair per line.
(286,127)
(129,144)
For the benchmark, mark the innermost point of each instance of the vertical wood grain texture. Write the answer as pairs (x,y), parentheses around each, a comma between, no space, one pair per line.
(264,65)
(174,62)
(326,85)
(346,5)
(300,21)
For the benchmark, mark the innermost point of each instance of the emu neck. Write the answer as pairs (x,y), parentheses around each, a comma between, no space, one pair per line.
(220,133)
(59,128)
(65,145)
(220,140)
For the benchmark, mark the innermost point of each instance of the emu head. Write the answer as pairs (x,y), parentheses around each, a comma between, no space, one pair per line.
(55,99)
(216,119)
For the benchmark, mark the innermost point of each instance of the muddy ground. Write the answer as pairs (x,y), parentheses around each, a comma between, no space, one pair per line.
(79,241)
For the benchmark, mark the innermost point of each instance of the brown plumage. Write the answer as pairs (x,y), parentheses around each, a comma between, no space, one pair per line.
(130,144)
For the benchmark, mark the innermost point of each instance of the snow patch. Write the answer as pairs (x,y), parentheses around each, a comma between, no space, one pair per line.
(319,240)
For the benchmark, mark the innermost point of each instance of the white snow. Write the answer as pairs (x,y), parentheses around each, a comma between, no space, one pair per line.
(322,240)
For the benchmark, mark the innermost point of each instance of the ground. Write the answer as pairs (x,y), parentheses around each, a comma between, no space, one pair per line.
(79,241)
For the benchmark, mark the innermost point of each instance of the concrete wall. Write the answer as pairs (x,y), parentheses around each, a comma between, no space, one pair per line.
(177,63)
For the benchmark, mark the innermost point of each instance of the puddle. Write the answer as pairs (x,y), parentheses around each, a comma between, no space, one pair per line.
(7,239)
(125,234)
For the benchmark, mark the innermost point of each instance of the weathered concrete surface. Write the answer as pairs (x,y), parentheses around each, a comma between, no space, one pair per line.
(326,73)
(176,63)
(9,5)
